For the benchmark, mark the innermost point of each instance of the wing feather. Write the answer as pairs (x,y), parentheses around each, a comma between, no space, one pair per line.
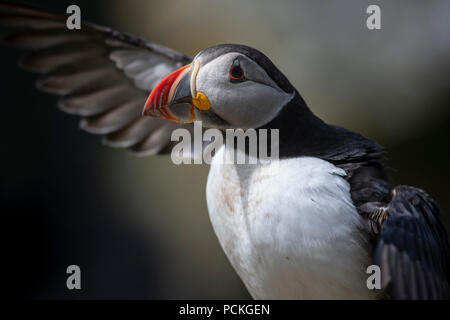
(101,74)
(114,119)
(133,133)
(413,251)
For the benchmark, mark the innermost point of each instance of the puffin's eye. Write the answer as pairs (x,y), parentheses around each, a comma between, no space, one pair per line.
(236,72)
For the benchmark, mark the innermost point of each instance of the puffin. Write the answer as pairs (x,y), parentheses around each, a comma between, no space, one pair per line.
(306,225)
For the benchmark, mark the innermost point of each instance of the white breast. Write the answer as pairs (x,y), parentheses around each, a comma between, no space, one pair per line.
(290,228)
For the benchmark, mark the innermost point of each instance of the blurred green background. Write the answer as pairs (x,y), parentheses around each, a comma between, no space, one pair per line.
(391,85)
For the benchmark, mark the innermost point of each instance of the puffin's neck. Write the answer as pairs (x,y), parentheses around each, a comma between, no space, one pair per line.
(301,133)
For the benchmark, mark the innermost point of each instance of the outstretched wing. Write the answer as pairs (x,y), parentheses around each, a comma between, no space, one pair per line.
(413,250)
(102,75)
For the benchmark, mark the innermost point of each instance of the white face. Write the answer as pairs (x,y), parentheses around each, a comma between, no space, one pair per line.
(247,101)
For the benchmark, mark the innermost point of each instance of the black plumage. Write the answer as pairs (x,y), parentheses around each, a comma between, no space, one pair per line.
(413,240)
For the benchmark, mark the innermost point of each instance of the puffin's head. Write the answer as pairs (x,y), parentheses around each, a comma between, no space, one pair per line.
(225,86)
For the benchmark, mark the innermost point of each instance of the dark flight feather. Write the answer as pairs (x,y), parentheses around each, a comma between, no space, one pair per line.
(412,250)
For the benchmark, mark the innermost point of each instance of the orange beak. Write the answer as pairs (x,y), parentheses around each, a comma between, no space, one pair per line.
(161,97)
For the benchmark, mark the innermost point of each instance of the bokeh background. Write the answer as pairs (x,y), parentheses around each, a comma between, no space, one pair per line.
(139,227)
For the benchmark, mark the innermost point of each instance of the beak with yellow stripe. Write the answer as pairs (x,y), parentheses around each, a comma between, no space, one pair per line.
(176,97)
